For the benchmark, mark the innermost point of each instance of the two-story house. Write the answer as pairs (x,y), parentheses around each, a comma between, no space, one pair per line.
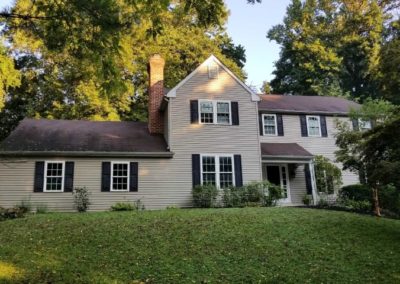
(210,128)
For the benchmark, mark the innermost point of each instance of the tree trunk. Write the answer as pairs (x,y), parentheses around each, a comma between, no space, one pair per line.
(377,209)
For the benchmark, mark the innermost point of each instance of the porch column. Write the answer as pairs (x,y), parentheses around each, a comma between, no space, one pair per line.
(313,182)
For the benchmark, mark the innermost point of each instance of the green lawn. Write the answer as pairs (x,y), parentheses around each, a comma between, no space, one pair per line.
(250,245)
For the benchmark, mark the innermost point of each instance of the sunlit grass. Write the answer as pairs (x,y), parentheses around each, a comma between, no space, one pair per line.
(248,245)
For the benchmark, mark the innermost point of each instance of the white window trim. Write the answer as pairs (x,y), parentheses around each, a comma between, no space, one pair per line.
(361,122)
(319,125)
(210,66)
(263,124)
(217,170)
(215,111)
(288,198)
(112,176)
(45,176)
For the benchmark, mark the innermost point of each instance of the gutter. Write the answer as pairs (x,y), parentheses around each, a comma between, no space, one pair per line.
(303,112)
(86,154)
(288,157)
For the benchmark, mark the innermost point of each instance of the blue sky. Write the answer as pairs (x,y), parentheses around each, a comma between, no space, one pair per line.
(248,26)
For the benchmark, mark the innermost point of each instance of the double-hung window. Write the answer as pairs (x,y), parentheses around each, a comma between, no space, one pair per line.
(119,176)
(217,170)
(270,124)
(54,176)
(313,125)
(215,112)
(364,124)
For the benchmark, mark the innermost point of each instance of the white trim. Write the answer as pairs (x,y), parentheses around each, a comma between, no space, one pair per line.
(288,199)
(217,171)
(45,175)
(276,124)
(319,125)
(215,111)
(112,176)
(212,58)
(362,122)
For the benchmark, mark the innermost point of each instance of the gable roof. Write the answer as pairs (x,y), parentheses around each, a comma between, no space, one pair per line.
(306,104)
(212,58)
(87,138)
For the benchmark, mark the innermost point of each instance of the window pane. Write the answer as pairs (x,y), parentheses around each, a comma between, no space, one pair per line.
(223,113)
(226,180)
(225,164)
(54,178)
(313,126)
(120,176)
(208,164)
(209,178)
(269,125)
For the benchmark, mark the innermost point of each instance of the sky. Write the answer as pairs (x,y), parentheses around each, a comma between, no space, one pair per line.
(248,25)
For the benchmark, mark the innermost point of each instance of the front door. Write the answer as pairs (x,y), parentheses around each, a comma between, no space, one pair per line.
(278,175)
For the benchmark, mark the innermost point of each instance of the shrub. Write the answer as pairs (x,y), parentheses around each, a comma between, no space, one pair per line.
(128,206)
(233,197)
(389,198)
(81,199)
(11,213)
(328,176)
(41,209)
(307,199)
(322,203)
(204,196)
(364,206)
(359,192)
(252,195)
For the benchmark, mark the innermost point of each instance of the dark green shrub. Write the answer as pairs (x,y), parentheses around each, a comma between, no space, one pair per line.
(233,197)
(255,192)
(359,192)
(389,198)
(11,213)
(362,206)
(204,196)
(81,199)
(272,194)
(127,206)
(307,200)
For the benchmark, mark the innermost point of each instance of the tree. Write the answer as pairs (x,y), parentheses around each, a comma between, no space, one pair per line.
(371,153)
(88,59)
(328,176)
(266,88)
(331,47)
(9,77)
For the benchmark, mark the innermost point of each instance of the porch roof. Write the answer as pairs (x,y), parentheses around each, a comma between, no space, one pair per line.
(285,151)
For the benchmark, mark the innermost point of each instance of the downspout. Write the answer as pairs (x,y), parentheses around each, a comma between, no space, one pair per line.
(313,182)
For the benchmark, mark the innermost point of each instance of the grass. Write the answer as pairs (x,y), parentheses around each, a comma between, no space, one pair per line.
(249,245)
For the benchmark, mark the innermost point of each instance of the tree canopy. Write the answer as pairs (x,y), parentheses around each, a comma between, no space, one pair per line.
(88,59)
(337,47)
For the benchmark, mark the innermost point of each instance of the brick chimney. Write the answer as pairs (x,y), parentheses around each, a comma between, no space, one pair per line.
(156,93)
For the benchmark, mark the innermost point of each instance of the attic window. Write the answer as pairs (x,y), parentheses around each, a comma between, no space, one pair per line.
(213,71)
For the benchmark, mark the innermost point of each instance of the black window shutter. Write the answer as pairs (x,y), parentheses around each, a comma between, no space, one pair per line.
(235,113)
(238,170)
(196,170)
(324,130)
(279,122)
(69,177)
(194,112)
(355,125)
(260,122)
(303,125)
(133,182)
(39,177)
(105,176)
(308,179)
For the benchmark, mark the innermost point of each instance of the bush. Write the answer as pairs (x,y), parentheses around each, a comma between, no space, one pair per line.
(252,195)
(11,213)
(363,206)
(127,206)
(389,198)
(307,200)
(204,196)
(358,192)
(41,209)
(81,199)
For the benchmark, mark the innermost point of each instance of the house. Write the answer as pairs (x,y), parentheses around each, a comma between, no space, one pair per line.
(210,128)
